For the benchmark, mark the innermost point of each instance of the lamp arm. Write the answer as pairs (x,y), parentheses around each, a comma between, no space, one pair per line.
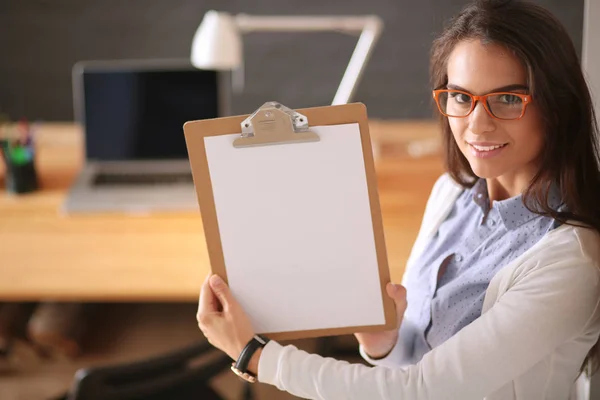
(256,23)
(358,61)
(369,26)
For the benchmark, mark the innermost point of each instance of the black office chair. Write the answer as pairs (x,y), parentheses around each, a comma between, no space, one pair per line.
(176,376)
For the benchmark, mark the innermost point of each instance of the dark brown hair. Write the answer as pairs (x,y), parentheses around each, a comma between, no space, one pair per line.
(570,157)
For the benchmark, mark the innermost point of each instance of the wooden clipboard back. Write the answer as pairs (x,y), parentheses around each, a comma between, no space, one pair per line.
(196,131)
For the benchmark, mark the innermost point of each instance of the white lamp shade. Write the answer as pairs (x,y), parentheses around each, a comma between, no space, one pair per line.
(217,43)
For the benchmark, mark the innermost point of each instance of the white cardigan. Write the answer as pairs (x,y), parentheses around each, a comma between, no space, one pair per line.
(540,317)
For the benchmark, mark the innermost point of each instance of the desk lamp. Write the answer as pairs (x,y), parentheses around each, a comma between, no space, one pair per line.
(217,43)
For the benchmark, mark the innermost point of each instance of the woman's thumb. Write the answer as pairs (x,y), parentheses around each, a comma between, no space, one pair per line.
(398,294)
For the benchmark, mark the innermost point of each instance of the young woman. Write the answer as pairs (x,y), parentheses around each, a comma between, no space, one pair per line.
(503,282)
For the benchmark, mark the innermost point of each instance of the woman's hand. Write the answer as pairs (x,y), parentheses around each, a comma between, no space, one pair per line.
(379,344)
(221,318)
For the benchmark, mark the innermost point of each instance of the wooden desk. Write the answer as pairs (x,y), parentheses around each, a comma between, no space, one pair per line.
(162,257)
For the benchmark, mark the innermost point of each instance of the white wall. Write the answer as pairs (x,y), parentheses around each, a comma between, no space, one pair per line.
(591,48)
(591,65)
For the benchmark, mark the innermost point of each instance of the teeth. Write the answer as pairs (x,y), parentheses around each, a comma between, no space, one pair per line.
(486,148)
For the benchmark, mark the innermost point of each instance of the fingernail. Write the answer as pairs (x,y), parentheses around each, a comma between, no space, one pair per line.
(216,281)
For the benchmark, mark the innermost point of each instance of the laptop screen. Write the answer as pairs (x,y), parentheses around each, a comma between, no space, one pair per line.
(131,114)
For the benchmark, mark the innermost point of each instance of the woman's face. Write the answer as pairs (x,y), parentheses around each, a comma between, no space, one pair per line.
(481,69)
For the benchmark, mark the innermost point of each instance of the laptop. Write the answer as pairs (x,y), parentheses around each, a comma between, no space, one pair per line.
(132,114)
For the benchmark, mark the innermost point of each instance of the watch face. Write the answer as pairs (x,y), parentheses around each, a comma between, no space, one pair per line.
(244,375)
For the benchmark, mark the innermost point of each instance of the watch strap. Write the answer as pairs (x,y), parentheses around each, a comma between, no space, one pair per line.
(243,360)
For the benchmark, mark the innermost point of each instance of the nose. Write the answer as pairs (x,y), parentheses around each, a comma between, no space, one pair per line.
(480,121)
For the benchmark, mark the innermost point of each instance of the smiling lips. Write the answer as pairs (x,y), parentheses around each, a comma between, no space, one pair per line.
(485,150)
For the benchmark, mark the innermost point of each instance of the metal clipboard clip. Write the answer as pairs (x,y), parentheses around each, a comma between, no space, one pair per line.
(274,123)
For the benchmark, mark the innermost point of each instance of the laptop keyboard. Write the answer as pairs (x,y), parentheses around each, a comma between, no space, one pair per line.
(105,179)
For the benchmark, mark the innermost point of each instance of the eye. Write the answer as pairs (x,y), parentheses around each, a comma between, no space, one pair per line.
(509,99)
(460,97)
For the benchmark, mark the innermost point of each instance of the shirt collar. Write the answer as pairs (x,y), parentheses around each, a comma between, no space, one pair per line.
(512,211)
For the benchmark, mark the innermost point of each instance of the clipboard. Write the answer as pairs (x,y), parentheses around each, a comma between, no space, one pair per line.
(292,219)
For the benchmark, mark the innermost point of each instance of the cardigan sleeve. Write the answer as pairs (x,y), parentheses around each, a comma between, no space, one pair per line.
(549,305)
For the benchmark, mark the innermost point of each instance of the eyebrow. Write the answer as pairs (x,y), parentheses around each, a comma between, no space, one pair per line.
(507,88)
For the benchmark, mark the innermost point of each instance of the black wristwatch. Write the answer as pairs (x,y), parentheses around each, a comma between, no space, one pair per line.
(240,367)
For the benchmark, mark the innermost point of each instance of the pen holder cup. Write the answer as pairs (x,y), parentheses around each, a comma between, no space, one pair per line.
(21,175)
(21,178)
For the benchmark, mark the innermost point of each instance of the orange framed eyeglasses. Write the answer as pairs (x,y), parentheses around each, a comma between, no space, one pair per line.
(500,105)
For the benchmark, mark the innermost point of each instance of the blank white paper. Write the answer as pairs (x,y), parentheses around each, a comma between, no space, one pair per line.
(296,231)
